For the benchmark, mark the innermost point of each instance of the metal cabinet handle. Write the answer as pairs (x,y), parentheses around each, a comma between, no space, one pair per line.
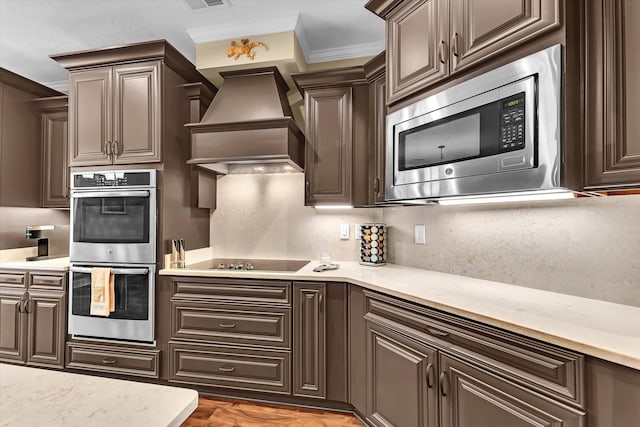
(109,361)
(228,325)
(27,306)
(223,369)
(307,188)
(107,148)
(441,49)
(438,333)
(116,149)
(454,43)
(21,306)
(376,185)
(321,301)
(444,384)
(430,375)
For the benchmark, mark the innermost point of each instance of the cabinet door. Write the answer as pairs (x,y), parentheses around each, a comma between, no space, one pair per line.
(378,100)
(309,341)
(136,120)
(55,182)
(417,46)
(482,29)
(90,97)
(613,67)
(473,398)
(329,150)
(401,380)
(12,327)
(47,330)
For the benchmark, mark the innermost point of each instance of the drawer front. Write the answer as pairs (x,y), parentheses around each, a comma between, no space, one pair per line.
(238,291)
(47,281)
(115,360)
(231,324)
(12,279)
(230,367)
(548,369)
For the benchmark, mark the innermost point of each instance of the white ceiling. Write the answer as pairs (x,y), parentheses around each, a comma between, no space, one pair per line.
(31,30)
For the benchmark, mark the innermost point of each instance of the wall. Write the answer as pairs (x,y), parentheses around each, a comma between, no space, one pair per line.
(263,216)
(13,222)
(585,247)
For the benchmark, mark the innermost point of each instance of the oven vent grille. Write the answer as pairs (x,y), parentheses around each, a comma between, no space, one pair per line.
(201,4)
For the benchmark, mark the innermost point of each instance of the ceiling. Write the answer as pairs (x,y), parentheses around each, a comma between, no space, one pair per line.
(31,30)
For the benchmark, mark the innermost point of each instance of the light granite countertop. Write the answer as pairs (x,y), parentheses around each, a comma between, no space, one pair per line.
(40,397)
(598,328)
(17,259)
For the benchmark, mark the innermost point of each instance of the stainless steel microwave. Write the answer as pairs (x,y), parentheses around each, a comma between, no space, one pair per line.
(497,133)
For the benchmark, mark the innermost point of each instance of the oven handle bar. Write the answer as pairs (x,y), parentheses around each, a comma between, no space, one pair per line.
(142,193)
(113,270)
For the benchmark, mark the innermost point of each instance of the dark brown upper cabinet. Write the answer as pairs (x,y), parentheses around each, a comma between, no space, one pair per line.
(613,66)
(336,130)
(55,158)
(376,77)
(120,100)
(428,40)
(115,115)
(21,140)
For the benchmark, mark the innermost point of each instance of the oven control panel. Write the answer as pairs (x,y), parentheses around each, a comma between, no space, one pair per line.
(114,179)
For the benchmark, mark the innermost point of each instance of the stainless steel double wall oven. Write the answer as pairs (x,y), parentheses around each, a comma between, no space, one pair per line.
(113,224)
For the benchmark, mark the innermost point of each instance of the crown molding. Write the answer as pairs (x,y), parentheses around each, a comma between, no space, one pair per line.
(243,29)
(345,52)
(59,85)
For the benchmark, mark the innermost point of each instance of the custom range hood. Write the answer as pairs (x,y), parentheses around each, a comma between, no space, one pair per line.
(249,125)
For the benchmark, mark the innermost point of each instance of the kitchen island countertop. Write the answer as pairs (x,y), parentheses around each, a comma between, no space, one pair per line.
(598,328)
(40,397)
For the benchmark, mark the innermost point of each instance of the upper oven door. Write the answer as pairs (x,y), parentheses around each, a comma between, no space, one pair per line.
(113,226)
(485,134)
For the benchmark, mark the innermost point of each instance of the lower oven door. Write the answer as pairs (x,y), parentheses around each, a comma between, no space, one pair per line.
(133,318)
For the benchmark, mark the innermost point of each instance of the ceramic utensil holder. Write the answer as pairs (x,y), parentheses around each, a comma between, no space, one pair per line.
(373,244)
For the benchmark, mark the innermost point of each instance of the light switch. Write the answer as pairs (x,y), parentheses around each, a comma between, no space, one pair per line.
(344,231)
(419,234)
(357,231)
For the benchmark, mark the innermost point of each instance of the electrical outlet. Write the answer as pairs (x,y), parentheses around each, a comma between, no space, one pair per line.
(344,231)
(419,234)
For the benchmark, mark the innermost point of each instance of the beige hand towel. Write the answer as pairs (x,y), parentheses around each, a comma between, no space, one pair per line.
(112,292)
(100,301)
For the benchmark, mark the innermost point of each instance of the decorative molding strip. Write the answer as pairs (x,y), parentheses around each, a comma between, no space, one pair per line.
(345,52)
(243,29)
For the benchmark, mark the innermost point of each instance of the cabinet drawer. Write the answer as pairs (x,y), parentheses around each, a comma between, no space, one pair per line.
(47,281)
(12,279)
(550,370)
(230,367)
(115,360)
(234,291)
(232,324)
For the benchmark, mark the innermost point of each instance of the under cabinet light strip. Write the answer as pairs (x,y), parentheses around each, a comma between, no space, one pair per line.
(510,197)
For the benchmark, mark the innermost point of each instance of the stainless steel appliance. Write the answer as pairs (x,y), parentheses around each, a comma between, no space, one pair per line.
(113,217)
(133,318)
(499,132)
(113,224)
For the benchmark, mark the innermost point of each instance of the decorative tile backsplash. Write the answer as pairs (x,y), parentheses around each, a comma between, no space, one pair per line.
(585,247)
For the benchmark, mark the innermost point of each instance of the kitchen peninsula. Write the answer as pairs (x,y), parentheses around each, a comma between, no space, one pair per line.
(38,397)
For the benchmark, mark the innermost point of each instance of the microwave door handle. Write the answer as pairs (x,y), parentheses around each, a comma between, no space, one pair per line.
(113,270)
(140,193)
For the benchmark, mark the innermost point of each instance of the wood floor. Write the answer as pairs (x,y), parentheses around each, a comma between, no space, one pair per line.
(233,413)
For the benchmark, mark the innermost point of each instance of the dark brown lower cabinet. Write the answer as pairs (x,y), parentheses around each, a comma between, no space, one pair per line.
(471,397)
(401,380)
(309,339)
(112,359)
(230,367)
(33,318)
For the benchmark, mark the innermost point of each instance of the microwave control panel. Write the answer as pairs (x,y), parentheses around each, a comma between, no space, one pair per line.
(111,179)
(512,123)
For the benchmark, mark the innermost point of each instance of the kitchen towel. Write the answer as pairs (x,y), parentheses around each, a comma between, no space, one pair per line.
(101,291)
